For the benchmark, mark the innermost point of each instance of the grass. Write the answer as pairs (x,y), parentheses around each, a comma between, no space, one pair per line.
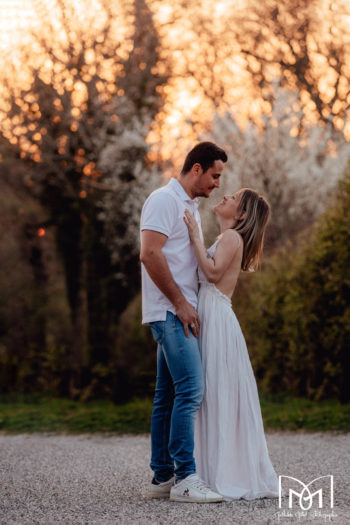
(290,413)
(39,414)
(20,414)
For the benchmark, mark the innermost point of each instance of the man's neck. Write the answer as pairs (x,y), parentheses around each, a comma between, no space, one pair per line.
(186,183)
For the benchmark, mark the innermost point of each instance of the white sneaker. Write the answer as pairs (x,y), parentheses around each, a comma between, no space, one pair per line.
(160,490)
(194,490)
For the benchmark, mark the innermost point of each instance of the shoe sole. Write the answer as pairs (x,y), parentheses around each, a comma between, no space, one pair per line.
(186,499)
(157,496)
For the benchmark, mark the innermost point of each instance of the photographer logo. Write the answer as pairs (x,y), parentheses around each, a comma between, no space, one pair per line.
(307,494)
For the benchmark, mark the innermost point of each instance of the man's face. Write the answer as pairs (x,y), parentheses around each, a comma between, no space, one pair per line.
(209,180)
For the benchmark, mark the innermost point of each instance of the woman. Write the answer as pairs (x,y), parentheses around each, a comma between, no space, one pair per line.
(230,446)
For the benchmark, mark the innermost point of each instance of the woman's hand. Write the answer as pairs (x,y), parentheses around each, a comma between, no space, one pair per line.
(192,226)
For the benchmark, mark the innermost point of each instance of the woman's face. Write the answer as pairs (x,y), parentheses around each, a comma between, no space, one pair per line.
(229,206)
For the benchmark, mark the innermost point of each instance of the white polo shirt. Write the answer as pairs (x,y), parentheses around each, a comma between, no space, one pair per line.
(163,212)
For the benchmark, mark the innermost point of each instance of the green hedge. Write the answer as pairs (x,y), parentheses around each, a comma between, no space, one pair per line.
(297,319)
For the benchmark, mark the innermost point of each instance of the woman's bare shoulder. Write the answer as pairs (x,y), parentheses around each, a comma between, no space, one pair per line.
(231,235)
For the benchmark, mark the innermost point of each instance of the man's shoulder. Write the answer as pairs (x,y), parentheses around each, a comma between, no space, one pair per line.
(163,194)
(166,189)
(160,211)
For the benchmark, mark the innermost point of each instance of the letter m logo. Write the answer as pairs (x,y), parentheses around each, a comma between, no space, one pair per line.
(304,496)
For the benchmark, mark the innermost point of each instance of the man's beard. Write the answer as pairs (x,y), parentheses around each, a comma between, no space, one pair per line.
(202,194)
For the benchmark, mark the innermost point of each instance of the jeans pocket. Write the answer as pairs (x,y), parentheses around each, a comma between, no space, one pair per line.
(157,329)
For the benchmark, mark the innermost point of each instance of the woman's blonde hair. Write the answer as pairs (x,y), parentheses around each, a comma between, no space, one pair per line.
(256,211)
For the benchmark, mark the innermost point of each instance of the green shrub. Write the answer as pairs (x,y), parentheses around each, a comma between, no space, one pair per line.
(298,319)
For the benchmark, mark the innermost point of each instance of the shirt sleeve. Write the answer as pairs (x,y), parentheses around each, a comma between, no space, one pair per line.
(159,213)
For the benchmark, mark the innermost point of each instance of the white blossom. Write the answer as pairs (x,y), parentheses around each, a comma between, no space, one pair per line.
(297,172)
(130,178)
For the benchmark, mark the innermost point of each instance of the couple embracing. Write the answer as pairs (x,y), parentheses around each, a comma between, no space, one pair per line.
(207,435)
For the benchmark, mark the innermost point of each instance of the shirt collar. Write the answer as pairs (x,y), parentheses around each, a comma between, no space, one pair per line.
(176,186)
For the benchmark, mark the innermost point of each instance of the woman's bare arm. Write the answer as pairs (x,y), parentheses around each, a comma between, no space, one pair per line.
(213,268)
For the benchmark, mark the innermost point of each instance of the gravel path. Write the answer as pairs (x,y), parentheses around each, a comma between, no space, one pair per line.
(101,480)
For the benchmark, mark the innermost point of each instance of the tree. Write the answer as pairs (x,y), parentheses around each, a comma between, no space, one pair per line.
(124,159)
(34,314)
(231,57)
(85,88)
(302,45)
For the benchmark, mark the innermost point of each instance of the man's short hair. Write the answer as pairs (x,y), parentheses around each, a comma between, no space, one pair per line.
(205,154)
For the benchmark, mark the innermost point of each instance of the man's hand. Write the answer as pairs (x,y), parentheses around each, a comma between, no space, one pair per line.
(189,317)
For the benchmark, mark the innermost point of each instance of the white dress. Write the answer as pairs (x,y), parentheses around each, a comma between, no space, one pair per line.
(230,446)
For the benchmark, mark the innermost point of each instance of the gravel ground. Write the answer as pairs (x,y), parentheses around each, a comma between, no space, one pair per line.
(101,480)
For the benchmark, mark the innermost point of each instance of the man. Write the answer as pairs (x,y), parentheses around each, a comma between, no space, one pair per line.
(169,302)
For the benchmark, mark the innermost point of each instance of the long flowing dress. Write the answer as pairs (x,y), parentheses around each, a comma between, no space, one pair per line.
(230,446)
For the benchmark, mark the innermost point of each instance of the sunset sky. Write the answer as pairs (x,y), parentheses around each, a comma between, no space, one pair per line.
(17,17)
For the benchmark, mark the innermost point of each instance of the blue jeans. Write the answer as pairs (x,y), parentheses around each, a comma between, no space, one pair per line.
(178,395)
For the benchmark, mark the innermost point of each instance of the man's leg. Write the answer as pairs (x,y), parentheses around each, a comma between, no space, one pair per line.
(179,364)
(161,461)
(184,364)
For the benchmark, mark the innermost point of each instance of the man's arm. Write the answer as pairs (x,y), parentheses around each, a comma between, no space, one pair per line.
(157,267)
